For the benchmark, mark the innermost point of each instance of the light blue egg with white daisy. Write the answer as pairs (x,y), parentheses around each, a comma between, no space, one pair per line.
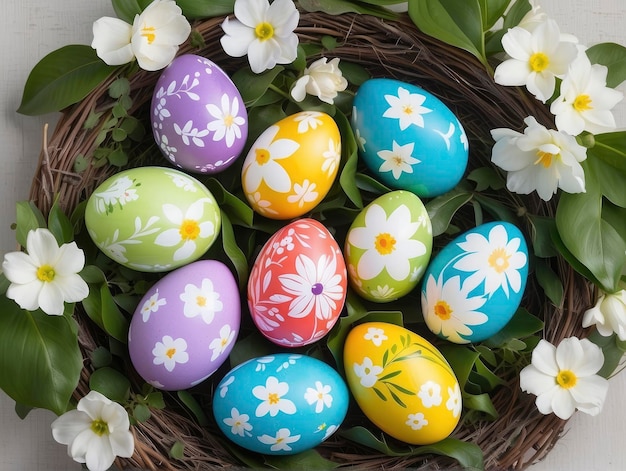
(473,286)
(280,404)
(408,138)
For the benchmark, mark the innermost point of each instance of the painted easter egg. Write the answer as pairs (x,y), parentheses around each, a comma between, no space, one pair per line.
(281,404)
(152,219)
(402,383)
(472,288)
(199,120)
(408,138)
(292,165)
(297,285)
(388,246)
(185,325)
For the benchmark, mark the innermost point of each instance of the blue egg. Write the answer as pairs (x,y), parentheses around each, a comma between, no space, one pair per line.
(408,138)
(281,404)
(472,288)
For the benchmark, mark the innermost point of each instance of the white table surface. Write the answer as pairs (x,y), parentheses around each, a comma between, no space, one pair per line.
(30,29)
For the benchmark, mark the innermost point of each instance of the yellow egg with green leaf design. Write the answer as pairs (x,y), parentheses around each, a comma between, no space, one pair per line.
(402,383)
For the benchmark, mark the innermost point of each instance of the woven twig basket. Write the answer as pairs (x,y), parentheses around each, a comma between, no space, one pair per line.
(521,435)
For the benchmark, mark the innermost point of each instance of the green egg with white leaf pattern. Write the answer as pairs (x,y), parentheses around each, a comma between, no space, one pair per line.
(152,219)
(388,246)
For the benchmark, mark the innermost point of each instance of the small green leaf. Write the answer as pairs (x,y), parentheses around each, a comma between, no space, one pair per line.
(118,157)
(521,325)
(111,383)
(371,185)
(126,9)
(613,354)
(59,224)
(29,218)
(119,87)
(113,321)
(253,86)
(80,163)
(613,56)
(177,451)
(234,252)
(62,78)
(141,413)
(92,120)
(101,357)
(486,177)
(461,359)
(40,361)
(306,460)
(442,209)
(155,400)
(481,403)
(350,158)
(201,9)
(329,42)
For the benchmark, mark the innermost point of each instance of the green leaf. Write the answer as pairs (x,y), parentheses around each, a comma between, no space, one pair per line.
(469,455)
(238,211)
(141,413)
(542,236)
(101,357)
(350,157)
(126,9)
(253,86)
(481,403)
(119,87)
(29,218)
(199,9)
(461,359)
(523,324)
(613,56)
(111,383)
(59,224)
(456,23)
(354,73)
(492,11)
(613,354)
(442,209)
(306,460)
(485,178)
(194,406)
(493,39)
(594,242)
(611,148)
(113,321)
(337,7)
(549,281)
(234,252)
(40,361)
(371,185)
(62,78)
(177,451)
(610,176)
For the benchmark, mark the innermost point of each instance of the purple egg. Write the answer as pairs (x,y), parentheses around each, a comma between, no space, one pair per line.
(199,119)
(185,326)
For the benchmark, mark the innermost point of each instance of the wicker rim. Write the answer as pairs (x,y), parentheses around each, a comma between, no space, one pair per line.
(521,435)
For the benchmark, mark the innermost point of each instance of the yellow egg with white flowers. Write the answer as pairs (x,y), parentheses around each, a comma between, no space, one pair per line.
(292,165)
(402,383)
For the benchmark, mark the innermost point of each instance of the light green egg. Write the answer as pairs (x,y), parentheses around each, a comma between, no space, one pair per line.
(152,219)
(388,246)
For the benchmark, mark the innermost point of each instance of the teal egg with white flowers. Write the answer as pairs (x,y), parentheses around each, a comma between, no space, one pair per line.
(473,286)
(408,138)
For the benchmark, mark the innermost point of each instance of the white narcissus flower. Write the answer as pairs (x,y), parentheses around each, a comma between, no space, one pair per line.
(564,377)
(262,31)
(541,159)
(535,59)
(96,432)
(608,315)
(153,38)
(321,79)
(47,276)
(585,102)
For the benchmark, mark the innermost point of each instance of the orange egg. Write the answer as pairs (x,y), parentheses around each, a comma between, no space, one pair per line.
(292,165)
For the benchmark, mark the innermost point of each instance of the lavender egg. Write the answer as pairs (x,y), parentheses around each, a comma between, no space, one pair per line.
(199,120)
(185,325)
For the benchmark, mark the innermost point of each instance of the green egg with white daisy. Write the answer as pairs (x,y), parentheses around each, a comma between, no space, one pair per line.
(388,246)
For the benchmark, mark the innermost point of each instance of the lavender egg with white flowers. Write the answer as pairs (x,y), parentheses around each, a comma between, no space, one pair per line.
(185,326)
(198,117)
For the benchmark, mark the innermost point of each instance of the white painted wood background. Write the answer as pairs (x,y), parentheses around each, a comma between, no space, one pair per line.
(29,29)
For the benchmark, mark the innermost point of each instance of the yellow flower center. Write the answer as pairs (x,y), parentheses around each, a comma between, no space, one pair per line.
(407,109)
(582,103)
(189,229)
(320,396)
(264,31)
(229,120)
(170,352)
(539,62)
(566,379)
(201,301)
(100,427)
(262,156)
(224,341)
(45,273)
(149,32)
(385,243)
(499,260)
(398,160)
(273,398)
(443,310)
(544,158)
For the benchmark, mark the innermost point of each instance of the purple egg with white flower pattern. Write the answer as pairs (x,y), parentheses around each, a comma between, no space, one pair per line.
(185,326)
(199,120)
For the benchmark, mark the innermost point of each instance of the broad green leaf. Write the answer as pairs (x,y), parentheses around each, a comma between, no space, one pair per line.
(549,281)
(611,178)
(522,325)
(93,274)
(40,361)
(306,460)
(611,148)
(588,237)
(113,321)
(486,376)
(613,354)
(101,357)
(492,11)
(354,73)
(126,9)
(234,252)
(442,209)
(60,225)
(252,346)
(194,406)
(238,210)
(371,185)
(450,21)
(481,403)
(613,56)
(29,217)
(461,359)
(493,39)
(616,217)
(337,7)
(469,455)
(486,177)
(196,9)
(496,208)
(541,235)
(253,86)
(111,383)
(62,78)
(350,161)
